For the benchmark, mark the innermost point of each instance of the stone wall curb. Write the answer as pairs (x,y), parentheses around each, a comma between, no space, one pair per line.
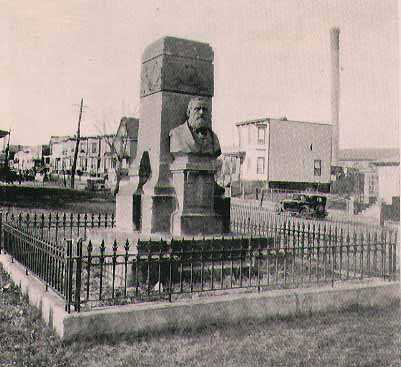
(142,318)
(48,302)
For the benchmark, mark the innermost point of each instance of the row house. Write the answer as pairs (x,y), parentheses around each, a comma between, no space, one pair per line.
(97,155)
(32,158)
(94,154)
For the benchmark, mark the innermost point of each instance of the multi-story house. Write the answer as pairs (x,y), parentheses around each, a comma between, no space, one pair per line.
(282,154)
(59,153)
(32,158)
(88,157)
(97,155)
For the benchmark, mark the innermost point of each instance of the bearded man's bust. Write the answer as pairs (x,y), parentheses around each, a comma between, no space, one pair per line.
(195,136)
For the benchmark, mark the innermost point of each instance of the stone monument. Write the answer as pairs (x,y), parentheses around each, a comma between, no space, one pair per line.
(195,148)
(171,187)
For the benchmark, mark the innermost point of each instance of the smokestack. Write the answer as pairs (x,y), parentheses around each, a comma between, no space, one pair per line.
(335,93)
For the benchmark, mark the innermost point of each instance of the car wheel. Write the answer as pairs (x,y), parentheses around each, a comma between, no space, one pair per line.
(320,209)
(304,212)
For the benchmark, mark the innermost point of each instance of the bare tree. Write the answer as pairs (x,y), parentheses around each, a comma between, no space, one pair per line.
(119,148)
(120,139)
(119,145)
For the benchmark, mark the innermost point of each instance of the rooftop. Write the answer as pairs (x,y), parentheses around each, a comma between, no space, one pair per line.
(59,139)
(129,126)
(370,154)
(3,133)
(267,120)
(232,150)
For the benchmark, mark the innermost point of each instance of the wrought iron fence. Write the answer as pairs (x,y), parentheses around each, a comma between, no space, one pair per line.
(252,219)
(155,270)
(40,256)
(55,226)
(88,274)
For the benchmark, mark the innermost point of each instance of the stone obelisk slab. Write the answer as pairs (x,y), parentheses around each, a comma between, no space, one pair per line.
(173,71)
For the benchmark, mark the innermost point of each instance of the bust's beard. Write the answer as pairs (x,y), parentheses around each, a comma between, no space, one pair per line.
(201,133)
(199,127)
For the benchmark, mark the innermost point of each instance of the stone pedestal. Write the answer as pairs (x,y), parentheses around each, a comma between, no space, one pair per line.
(194,184)
(125,207)
(173,71)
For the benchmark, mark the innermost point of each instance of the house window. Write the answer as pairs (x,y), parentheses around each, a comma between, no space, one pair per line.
(94,147)
(317,167)
(261,135)
(260,168)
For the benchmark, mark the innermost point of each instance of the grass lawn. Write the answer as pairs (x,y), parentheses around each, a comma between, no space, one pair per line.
(355,337)
(43,198)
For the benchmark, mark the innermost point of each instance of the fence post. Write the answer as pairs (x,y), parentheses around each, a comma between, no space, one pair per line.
(78,277)
(57,225)
(333,249)
(126,258)
(1,231)
(395,256)
(71,223)
(392,255)
(170,276)
(78,223)
(114,262)
(101,263)
(68,278)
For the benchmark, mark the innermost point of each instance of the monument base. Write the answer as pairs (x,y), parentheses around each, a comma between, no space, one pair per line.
(196,224)
(155,213)
(125,206)
(147,213)
(194,185)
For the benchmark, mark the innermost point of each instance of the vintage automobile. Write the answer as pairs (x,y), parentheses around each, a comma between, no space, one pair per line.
(305,205)
(95,184)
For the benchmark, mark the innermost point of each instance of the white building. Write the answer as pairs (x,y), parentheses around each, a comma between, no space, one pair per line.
(97,155)
(374,165)
(280,153)
(92,151)
(388,176)
(32,157)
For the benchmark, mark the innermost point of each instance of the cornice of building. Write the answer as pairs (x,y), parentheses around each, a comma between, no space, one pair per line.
(268,120)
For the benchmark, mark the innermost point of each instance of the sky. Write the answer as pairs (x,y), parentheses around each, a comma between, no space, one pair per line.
(271,59)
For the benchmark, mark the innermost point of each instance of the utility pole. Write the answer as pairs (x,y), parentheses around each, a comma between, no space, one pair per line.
(7,152)
(74,164)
